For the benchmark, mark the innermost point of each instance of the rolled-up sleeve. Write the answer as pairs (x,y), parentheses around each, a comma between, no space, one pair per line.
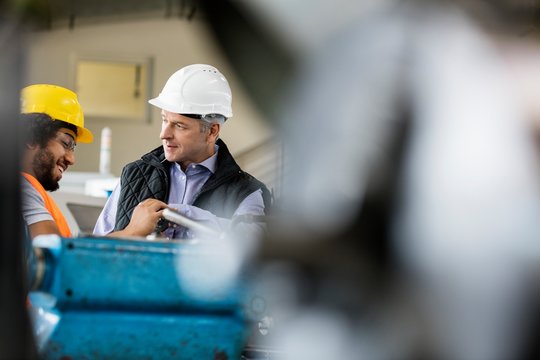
(107,219)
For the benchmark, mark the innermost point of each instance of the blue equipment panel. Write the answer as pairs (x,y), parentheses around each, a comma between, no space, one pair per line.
(141,335)
(122,299)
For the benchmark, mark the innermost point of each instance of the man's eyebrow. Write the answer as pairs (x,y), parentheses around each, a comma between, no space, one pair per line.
(181,121)
(70,135)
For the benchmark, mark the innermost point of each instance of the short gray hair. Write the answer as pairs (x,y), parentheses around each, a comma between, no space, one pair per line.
(204,125)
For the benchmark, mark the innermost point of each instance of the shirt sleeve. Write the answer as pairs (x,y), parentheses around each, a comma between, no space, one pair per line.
(253,204)
(107,219)
(33,205)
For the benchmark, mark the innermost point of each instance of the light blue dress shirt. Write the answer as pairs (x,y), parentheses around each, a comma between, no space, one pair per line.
(184,187)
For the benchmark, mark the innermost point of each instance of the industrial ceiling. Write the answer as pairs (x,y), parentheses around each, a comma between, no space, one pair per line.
(49,14)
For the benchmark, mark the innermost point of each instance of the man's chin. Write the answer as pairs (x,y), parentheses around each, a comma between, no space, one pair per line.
(170,157)
(53,188)
(50,185)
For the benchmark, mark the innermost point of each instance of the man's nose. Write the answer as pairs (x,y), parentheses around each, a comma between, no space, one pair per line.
(166,132)
(70,157)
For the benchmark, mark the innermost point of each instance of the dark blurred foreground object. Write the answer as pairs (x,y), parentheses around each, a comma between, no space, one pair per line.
(16,340)
(262,62)
(407,236)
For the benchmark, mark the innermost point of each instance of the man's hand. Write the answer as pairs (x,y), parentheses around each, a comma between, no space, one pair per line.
(144,218)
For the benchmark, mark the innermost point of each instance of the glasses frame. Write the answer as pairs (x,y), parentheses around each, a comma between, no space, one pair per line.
(69,145)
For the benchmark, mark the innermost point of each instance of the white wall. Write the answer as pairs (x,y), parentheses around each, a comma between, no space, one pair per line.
(172,43)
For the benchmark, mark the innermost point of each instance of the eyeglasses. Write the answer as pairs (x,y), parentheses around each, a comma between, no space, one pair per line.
(66,141)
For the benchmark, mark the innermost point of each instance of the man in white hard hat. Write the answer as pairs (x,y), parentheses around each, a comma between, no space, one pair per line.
(193,171)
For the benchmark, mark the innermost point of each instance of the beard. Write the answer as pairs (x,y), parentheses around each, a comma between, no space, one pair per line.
(44,165)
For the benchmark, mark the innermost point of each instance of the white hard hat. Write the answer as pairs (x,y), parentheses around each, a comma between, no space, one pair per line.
(196,89)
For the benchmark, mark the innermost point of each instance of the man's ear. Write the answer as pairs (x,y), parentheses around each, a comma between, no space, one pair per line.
(214,131)
(31,146)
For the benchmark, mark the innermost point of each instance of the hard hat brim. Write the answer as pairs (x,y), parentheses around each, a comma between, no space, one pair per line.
(84,135)
(167,107)
(179,110)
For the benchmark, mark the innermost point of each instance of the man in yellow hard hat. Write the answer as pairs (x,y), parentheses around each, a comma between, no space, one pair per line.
(52,122)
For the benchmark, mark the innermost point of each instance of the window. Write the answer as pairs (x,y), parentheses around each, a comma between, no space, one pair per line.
(114,89)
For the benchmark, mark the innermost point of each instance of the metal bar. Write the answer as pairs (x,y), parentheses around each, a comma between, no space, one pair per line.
(180,219)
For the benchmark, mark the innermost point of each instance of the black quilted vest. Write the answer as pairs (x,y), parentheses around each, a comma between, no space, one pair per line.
(221,194)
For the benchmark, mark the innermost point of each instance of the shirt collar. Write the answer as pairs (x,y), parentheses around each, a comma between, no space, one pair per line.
(211,162)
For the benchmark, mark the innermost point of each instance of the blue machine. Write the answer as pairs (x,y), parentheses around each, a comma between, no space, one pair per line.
(104,298)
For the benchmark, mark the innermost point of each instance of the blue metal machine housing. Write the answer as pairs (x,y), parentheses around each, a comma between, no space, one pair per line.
(104,298)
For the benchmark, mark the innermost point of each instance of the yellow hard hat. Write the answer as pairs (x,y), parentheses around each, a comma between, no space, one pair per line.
(57,102)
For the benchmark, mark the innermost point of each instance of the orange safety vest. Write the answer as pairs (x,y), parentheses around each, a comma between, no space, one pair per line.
(50,205)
